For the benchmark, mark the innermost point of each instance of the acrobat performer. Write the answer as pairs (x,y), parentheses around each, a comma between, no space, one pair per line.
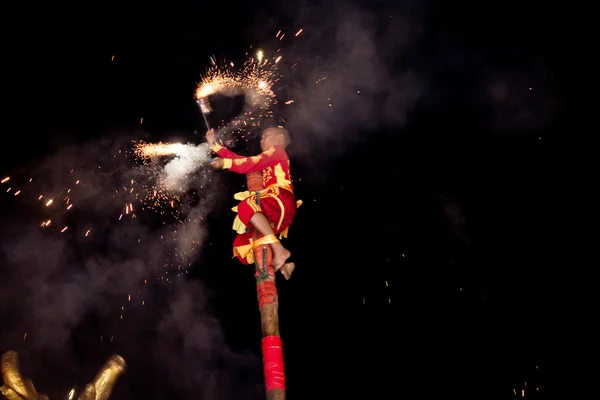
(274,212)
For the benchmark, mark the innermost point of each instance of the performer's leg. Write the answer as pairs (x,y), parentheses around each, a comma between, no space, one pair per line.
(284,213)
(251,213)
(280,253)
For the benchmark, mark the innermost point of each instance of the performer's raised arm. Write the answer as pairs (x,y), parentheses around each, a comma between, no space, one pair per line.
(222,151)
(244,165)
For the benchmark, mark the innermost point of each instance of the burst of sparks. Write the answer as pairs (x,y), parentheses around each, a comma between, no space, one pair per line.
(224,78)
(254,79)
(151,196)
(147,150)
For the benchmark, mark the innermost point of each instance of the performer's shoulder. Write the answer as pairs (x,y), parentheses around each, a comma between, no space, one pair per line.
(281,150)
(276,151)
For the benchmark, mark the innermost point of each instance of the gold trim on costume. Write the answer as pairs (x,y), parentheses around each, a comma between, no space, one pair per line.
(246,252)
(216,147)
(254,204)
(242,195)
(227,163)
(271,191)
(267,172)
(282,210)
(265,240)
(280,177)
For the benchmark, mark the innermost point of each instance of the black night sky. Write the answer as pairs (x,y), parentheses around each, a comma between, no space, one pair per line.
(430,202)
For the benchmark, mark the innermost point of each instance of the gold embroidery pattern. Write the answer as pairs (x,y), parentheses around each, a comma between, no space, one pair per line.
(256,159)
(280,176)
(239,161)
(270,151)
(267,174)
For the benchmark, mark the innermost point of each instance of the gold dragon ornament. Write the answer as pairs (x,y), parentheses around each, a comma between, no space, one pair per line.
(16,387)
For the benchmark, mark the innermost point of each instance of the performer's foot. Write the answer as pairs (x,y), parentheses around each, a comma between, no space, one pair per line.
(287,269)
(280,256)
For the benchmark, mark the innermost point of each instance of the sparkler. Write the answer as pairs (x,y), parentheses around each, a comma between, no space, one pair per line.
(148,150)
(141,187)
(156,188)
(255,80)
(204,109)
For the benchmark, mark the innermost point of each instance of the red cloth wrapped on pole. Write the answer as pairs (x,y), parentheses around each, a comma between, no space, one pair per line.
(272,348)
(273,363)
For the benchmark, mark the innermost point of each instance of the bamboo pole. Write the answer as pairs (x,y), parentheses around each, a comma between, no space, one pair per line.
(268,304)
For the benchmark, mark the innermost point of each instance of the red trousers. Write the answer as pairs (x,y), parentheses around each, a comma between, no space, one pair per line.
(278,205)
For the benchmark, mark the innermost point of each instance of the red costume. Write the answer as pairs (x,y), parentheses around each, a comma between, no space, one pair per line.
(277,201)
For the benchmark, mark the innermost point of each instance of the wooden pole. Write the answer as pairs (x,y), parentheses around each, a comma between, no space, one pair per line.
(268,304)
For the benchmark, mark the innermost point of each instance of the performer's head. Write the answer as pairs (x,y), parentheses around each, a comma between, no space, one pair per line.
(274,136)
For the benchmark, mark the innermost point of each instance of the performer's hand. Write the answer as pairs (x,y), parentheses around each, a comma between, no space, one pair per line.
(210,137)
(217,163)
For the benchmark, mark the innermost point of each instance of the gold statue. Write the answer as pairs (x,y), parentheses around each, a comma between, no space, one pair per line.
(105,380)
(15,387)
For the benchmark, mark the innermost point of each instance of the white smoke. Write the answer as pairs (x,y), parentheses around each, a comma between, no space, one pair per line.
(188,159)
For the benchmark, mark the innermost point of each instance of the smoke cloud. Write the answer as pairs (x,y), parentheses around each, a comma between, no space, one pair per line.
(188,159)
(458,223)
(521,99)
(121,261)
(348,72)
(352,70)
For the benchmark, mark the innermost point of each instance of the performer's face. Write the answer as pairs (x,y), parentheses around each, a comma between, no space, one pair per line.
(269,139)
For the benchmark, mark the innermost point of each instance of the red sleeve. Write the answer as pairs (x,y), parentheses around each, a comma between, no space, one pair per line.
(224,152)
(243,165)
